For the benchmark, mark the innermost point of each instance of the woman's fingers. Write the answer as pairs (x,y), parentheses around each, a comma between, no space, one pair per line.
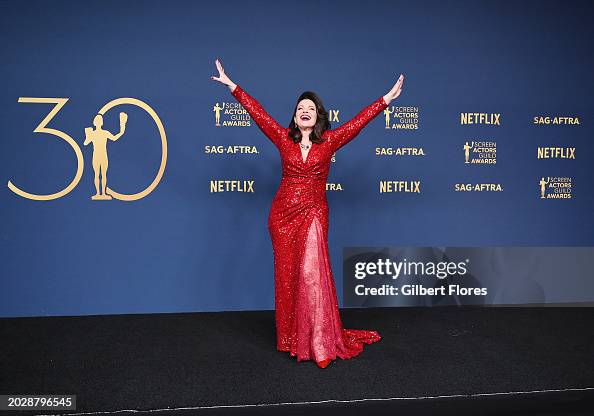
(398,85)
(222,78)
(397,88)
(220,67)
(221,72)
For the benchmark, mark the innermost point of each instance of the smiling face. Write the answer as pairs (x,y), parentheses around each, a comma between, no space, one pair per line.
(306,114)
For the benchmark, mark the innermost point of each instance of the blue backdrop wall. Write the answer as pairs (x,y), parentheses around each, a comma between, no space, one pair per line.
(184,248)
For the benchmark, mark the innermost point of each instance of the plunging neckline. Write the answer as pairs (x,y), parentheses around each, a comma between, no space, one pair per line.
(307,155)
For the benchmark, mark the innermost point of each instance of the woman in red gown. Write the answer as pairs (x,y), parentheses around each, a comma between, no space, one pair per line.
(308,323)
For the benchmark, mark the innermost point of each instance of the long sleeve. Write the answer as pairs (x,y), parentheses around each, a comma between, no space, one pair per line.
(349,130)
(269,126)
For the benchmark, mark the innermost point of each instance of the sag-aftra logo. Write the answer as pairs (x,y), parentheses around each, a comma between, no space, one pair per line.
(99,138)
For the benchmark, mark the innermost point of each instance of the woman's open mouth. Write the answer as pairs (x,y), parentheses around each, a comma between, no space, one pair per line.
(305,117)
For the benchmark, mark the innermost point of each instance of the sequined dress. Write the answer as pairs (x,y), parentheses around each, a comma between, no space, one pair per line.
(308,323)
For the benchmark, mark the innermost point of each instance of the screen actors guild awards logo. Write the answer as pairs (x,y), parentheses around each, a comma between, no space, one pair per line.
(231,115)
(402,118)
(555,187)
(480,153)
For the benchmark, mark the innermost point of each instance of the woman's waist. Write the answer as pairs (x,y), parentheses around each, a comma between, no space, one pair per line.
(289,202)
(301,191)
(310,180)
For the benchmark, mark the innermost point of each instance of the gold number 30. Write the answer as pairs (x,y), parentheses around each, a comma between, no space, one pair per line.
(41,128)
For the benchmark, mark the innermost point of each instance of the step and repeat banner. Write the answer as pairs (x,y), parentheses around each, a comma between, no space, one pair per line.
(133,183)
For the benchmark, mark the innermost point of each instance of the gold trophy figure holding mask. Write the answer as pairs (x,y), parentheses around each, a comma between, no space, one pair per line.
(99,138)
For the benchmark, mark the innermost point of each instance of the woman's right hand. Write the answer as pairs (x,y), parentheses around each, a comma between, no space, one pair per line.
(223,78)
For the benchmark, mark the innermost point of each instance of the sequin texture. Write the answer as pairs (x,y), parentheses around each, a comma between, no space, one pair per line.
(308,323)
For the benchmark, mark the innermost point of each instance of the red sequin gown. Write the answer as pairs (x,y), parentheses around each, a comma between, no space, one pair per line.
(308,323)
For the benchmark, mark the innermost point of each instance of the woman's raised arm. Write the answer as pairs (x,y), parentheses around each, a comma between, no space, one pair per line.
(349,130)
(269,126)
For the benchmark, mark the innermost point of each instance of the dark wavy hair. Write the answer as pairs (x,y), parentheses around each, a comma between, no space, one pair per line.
(322,122)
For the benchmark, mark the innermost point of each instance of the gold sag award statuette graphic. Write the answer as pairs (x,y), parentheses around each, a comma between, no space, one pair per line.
(217,109)
(402,117)
(98,137)
(480,152)
(555,187)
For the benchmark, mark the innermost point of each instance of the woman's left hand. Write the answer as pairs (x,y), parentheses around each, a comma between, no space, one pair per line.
(395,91)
